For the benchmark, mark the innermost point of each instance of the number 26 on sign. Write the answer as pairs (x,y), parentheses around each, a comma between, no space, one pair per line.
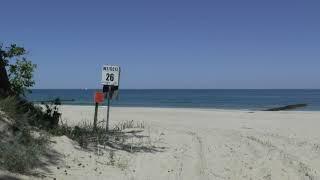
(110,75)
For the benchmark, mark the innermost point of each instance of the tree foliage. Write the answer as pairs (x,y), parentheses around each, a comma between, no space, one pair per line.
(17,70)
(21,76)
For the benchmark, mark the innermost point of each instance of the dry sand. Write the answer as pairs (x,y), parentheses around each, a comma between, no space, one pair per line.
(196,144)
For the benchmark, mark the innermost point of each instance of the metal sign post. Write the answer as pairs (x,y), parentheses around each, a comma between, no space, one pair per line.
(110,81)
(108,109)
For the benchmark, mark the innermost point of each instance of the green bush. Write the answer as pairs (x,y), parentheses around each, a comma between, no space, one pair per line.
(51,115)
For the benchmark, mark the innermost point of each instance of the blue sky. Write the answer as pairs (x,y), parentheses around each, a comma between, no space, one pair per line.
(169,43)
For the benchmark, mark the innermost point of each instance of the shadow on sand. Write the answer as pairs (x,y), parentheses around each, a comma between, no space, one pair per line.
(130,141)
(7,177)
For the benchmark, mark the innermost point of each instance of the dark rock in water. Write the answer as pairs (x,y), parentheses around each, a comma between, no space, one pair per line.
(289,107)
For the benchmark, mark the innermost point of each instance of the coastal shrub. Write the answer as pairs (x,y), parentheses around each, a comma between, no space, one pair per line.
(23,145)
(51,114)
(25,113)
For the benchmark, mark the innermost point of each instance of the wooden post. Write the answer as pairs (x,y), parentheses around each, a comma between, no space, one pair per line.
(108,110)
(98,98)
(95,117)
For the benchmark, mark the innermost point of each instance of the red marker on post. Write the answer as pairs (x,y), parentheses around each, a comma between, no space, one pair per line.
(99,97)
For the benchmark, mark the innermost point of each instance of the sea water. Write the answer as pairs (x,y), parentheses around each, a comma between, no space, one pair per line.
(249,99)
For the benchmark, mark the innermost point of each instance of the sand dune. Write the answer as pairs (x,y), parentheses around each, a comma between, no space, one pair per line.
(197,144)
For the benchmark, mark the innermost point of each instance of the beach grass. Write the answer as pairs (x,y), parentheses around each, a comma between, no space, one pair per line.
(21,145)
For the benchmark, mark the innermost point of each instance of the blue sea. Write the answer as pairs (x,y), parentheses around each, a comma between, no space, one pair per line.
(248,99)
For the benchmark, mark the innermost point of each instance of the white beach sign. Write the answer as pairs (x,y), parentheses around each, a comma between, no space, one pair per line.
(110,75)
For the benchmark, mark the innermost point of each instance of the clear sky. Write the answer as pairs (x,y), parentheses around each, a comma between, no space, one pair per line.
(169,43)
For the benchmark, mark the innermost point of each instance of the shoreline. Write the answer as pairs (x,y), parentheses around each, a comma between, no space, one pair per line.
(186,108)
(246,99)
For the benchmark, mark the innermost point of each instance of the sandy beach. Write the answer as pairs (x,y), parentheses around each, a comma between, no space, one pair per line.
(194,144)
(199,90)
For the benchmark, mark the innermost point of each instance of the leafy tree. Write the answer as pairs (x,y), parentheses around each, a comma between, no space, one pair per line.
(16,72)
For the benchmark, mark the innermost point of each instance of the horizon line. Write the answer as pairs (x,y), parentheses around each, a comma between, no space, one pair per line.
(180,89)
